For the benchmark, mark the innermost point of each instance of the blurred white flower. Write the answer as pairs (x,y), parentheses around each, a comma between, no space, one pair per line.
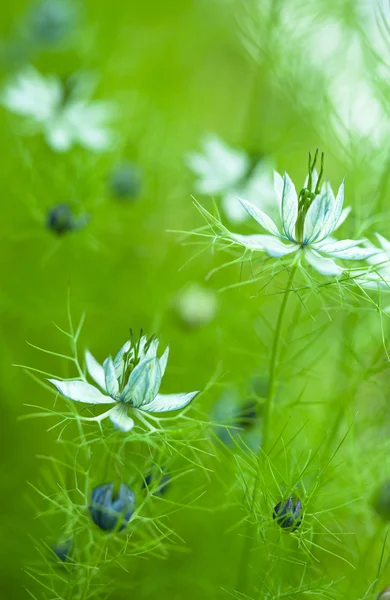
(196,305)
(307,222)
(379,274)
(64,119)
(131,380)
(227,172)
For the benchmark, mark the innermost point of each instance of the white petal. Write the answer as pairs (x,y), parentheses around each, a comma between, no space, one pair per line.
(274,247)
(253,242)
(95,370)
(233,208)
(334,213)
(144,383)
(164,361)
(278,185)
(384,243)
(220,168)
(346,249)
(112,385)
(344,214)
(118,360)
(120,419)
(315,219)
(289,207)
(80,391)
(260,217)
(325,266)
(168,402)
(59,135)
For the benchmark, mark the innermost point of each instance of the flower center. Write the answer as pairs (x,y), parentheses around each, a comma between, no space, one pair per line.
(307,195)
(138,347)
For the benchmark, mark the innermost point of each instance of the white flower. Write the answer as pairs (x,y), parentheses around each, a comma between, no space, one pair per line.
(64,121)
(227,172)
(307,222)
(131,380)
(379,275)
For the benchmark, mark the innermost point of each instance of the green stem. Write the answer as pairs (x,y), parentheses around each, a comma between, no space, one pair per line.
(274,361)
(248,539)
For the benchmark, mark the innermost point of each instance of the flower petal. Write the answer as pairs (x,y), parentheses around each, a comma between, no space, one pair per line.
(346,249)
(260,216)
(278,186)
(168,402)
(144,383)
(344,214)
(95,370)
(112,385)
(118,362)
(315,219)
(253,242)
(120,419)
(265,243)
(164,361)
(325,266)
(289,207)
(384,243)
(275,247)
(80,391)
(334,213)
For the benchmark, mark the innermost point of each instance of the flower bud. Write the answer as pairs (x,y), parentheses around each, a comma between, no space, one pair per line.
(62,550)
(288,514)
(60,219)
(111,512)
(381,501)
(385,595)
(196,306)
(51,21)
(126,181)
(162,484)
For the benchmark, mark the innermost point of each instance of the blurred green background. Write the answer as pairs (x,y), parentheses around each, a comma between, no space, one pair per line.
(177,70)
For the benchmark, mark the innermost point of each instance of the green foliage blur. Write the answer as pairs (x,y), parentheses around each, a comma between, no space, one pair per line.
(175,71)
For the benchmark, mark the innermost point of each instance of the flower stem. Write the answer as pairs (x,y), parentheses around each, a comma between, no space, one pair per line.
(249,537)
(274,361)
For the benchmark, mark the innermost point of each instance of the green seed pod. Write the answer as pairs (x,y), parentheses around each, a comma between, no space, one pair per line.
(381,501)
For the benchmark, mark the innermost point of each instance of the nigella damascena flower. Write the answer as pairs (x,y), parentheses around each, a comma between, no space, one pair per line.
(130,381)
(60,219)
(109,510)
(62,111)
(307,222)
(229,173)
(288,514)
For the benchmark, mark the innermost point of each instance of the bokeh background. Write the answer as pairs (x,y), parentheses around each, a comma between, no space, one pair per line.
(275,78)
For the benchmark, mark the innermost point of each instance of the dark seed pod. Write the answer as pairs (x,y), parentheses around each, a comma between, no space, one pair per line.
(163,483)
(111,513)
(62,550)
(288,514)
(126,181)
(381,501)
(60,219)
(51,21)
